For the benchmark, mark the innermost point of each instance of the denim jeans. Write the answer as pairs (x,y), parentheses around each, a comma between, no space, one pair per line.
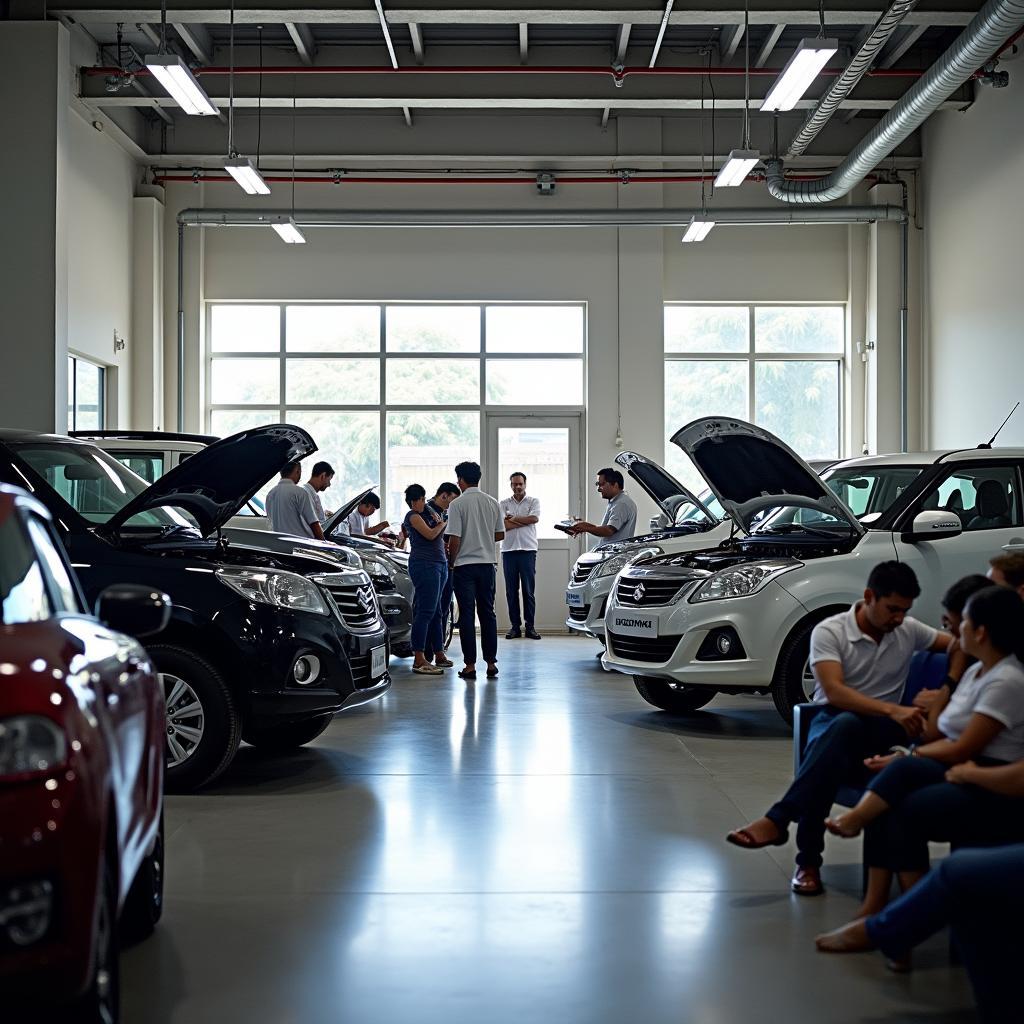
(428,580)
(520,571)
(474,590)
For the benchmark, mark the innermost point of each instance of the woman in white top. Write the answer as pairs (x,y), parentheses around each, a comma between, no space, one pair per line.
(910,801)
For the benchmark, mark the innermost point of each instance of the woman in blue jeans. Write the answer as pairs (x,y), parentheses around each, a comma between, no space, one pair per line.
(428,568)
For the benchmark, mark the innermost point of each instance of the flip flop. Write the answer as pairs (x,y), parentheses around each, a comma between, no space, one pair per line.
(445,663)
(427,670)
(468,673)
(745,841)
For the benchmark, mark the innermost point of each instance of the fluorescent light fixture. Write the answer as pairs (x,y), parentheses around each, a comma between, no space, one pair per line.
(289,232)
(698,230)
(243,171)
(802,68)
(737,166)
(174,75)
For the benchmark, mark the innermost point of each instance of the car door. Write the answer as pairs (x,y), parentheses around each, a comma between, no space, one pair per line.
(986,496)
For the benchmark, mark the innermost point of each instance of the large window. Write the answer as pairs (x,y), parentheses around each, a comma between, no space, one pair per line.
(393,393)
(86,394)
(778,366)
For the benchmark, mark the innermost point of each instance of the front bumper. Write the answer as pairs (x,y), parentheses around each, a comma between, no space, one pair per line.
(268,641)
(397,614)
(680,631)
(587,617)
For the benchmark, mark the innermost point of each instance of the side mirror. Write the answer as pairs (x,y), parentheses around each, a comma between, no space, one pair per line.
(659,523)
(933,524)
(137,611)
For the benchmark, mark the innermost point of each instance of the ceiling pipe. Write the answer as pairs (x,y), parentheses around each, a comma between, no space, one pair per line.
(850,76)
(983,36)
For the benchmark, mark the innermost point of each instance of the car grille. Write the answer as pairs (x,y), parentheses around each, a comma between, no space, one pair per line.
(357,604)
(360,666)
(582,573)
(635,593)
(641,648)
(579,614)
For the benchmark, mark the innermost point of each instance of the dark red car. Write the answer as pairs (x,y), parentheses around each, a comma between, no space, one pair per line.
(81,775)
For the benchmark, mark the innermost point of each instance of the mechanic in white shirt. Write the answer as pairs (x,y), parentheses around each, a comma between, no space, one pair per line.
(619,521)
(860,659)
(319,480)
(519,557)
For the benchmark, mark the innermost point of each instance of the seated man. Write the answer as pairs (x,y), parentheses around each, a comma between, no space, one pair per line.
(860,659)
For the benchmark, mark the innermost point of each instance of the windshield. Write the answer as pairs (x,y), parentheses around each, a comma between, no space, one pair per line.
(93,483)
(869,490)
(690,513)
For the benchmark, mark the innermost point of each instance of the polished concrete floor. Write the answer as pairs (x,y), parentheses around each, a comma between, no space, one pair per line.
(544,846)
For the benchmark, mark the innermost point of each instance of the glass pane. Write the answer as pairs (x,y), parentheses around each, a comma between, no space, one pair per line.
(535,381)
(245,329)
(534,328)
(58,572)
(700,388)
(22,589)
(350,442)
(225,422)
(424,448)
(799,329)
(88,396)
(542,453)
(71,394)
(984,497)
(799,402)
(433,382)
(433,328)
(707,329)
(242,381)
(333,381)
(148,465)
(332,328)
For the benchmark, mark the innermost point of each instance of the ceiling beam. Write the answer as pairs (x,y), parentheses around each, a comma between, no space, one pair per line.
(899,48)
(305,43)
(416,35)
(729,42)
(198,40)
(769,44)
(151,34)
(661,32)
(407,114)
(387,33)
(807,15)
(524,42)
(622,43)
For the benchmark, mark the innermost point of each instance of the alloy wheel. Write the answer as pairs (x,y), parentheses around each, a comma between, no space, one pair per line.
(185,719)
(807,680)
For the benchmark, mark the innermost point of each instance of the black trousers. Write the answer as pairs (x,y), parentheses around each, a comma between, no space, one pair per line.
(837,745)
(925,808)
(474,590)
(520,573)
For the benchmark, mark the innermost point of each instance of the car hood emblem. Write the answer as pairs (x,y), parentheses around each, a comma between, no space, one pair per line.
(638,592)
(365,598)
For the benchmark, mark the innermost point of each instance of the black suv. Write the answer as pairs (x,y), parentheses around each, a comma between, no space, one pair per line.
(262,646)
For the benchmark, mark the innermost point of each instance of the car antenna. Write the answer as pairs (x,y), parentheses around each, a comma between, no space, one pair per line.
(999,431)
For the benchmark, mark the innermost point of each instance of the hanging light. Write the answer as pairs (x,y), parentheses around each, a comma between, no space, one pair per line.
(182,86)
(737,166)
(698,229)
(242,170)
(289,232)
(801,69)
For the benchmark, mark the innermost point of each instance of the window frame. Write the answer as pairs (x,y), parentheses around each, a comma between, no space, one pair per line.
(752,357)
(101,415)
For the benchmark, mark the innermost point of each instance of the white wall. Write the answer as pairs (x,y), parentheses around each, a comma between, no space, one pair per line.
(99,217)
(974,227)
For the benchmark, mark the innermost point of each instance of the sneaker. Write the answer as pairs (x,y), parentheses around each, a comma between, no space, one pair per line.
(532,634)
(513,634)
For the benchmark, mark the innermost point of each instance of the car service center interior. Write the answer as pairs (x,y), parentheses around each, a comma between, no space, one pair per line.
(708,313)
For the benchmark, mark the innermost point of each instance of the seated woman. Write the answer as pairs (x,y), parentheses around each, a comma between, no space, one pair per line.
(428,568)
(910,801)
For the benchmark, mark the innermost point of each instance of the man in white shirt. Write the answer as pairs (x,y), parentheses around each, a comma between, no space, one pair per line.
(475,525)
(860,659)
(519,556)
(619,521)
(290,508)
(358,521)
(318,482)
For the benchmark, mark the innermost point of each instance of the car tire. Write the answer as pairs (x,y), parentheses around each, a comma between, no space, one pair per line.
(788,684)
(274,738)
(101,1003)
(218,719)
(680,700)
(400,651)
(145,903)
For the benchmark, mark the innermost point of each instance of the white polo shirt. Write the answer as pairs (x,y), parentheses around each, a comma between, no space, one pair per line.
(999,694)
(877,670)
(522,538)
(474,517)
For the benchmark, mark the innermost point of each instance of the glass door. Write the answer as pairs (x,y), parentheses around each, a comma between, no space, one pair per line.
(548,450)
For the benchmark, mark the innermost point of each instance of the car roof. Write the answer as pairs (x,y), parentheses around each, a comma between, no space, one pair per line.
(163,436)
(931,457)
(14,434)
(134,444)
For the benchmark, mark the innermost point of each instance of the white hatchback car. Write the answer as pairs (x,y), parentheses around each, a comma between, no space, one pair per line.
(738,617)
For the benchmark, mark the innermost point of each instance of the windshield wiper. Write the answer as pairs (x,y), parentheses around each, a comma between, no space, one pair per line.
(801,527)
(170,531)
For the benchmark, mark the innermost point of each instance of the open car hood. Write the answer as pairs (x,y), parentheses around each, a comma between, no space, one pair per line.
(339,517)
(213,484)
(750,470)
(668,493)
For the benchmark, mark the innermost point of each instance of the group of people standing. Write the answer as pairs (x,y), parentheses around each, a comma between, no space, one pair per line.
(454,538)
(945,765)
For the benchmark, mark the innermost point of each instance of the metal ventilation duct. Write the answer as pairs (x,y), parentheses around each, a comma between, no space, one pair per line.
(989,29)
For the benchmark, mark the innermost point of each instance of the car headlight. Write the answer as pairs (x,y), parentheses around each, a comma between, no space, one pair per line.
(30,745)
(740,580)
(343,556)
(379,567)
(617,563)
(281,589)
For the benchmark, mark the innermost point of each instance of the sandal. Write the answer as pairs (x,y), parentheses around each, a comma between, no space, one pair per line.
(468,673)
(445,663)
(427,670)
(742,838)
